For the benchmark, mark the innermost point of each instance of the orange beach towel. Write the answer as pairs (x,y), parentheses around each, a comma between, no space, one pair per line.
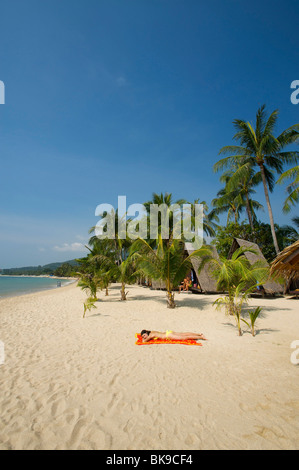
(190,342)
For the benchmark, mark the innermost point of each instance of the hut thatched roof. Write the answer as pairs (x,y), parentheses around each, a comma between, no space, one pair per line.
(207,282)
(271,287)
(286,264)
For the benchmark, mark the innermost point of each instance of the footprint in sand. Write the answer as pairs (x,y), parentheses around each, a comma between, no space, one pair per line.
(78,432)
(58,407)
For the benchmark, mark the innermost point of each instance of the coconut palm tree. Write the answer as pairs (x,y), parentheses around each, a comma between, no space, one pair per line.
(242,178)
(238,278)
(262,149)
(253,314)
(123,272)
(89,304)
(167,200)
(230,202)
(165,262)
(89,283)
(116,247)
(292,188)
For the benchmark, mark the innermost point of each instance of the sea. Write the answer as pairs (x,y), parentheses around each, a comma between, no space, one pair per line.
(11,286)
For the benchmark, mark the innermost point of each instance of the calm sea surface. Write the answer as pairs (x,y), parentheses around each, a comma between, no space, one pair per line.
(14,285)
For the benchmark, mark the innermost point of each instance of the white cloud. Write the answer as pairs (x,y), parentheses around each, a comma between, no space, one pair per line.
(70,247)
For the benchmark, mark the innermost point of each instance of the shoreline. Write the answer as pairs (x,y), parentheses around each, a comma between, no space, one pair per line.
(70,382)
(35,275)
(41,289)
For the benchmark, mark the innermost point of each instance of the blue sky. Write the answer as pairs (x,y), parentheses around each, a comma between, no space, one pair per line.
(128,97)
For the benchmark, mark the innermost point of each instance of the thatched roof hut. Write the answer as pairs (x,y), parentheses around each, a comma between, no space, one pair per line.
(207,282)
(286,264)
(270,287)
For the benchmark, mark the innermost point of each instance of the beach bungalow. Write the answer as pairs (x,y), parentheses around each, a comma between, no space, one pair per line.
(286,265)
(203,279)
(270,287)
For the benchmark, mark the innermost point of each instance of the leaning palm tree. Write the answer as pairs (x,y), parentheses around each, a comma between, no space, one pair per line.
(165,262)
(262,149)
(292,188)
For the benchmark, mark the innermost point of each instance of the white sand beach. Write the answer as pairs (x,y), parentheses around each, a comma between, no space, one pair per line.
(74,383)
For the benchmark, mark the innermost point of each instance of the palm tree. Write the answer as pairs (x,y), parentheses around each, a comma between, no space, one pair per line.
(242,179)
(253,314)
(259,147)
(116,247)
(167,200)
(230,202)
(165,262)
(238,278)
(89,304)
(123,272)
(89,283)
(292,188)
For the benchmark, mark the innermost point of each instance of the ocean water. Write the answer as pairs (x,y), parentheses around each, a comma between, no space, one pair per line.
(19,285)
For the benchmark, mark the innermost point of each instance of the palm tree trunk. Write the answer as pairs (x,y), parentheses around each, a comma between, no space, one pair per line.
(249,212)
(123,295)
(269,209)
(170,299)
(238,318)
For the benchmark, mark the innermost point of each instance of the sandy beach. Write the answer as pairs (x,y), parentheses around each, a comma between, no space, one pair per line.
(74,383)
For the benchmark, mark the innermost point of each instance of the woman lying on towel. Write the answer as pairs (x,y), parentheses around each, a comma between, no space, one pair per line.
(169,334)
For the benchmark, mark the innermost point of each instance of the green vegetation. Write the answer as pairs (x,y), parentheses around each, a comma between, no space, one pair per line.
(89,304)
(259,148)
(238,279)
(165,262)
(256,160)
(253,314)
(261,235)
(251,163)
(61,269)
(292,188)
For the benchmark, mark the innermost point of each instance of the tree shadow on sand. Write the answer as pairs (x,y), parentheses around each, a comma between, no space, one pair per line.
(193,301)
(246,330)
(199,302)
(97,315)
